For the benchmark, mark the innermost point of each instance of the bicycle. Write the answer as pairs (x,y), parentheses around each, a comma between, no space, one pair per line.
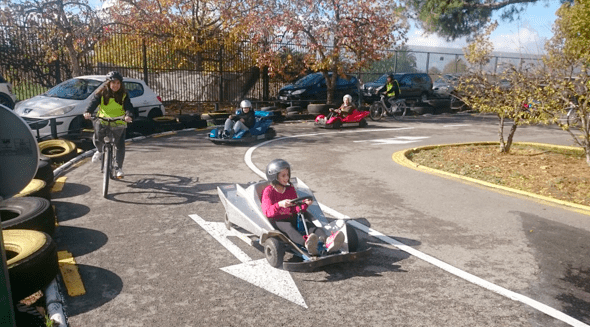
(107,166)
(398,109)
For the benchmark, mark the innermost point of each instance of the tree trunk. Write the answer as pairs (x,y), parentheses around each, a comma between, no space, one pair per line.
(76,71)
(587,150)
(501,133)
(510,137)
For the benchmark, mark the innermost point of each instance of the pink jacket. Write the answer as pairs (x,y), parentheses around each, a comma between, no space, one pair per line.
(270,203)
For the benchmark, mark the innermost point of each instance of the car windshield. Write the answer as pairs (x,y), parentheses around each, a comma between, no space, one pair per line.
(74,89)
(308,80)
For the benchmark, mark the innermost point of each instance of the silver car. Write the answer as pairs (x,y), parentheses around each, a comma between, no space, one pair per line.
(67,101)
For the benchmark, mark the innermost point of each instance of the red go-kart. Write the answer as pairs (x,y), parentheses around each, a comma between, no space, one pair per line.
(333,120)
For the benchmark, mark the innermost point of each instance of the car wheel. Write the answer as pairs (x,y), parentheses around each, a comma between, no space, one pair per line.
(28,213)
(353,239)
(6,101)
(274,252)
(58,150)
(155,112)
(294,109)
(31,261)
(424,97)
(76,126)
(36,188)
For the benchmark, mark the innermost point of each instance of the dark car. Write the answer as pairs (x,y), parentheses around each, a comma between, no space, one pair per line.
(312,88)
(412,86)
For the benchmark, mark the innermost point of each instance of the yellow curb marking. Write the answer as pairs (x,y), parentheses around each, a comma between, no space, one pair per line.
(165,134)
(59,184)
(401,157)
(79,150)
(69,272)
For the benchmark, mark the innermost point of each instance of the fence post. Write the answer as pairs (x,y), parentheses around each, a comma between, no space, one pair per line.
(53,125)
(427,61)
(57,72)
(221,73)
(265,84)
(145,69)
(395,63)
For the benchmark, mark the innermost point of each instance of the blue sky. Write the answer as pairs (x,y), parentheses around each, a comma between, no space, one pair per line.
(526,35)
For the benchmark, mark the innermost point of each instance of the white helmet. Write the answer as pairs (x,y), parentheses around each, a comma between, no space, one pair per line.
(245,104)
(347,96)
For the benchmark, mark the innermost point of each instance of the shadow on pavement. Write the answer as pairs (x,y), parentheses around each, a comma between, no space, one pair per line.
(101,285)
(160,189)
(67,210)
(70,190)
(79,241)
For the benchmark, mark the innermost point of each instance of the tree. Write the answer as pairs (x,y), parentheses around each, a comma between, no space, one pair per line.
(507,95)
(340,36)
(568,82)
(402,60)
(71,27)
(457,66)
(434,71)
(454,19)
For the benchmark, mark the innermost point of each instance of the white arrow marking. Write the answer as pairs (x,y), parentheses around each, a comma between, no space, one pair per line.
(259,272)
(395,140)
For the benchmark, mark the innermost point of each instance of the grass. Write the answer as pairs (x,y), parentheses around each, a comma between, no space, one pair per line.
(549,171)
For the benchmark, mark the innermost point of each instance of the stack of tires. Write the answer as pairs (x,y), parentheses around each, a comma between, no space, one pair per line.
(28,222)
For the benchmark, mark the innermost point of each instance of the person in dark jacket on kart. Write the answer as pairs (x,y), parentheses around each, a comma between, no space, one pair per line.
(240,122)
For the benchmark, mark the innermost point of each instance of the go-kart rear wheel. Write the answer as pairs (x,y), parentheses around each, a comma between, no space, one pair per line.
(353,239)
(274,252)
(270,133)
(363,123)
(337,124)
(227,222)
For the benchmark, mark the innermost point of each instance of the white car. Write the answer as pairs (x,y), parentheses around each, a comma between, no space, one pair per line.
(7,98)
(67,101)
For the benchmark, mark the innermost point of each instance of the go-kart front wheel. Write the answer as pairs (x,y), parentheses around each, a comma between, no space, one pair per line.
(274,252)
(353,239)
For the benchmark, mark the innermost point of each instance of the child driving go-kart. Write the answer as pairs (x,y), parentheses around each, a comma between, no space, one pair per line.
(282,211)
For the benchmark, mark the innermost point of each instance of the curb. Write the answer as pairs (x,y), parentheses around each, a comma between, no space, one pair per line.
(401,157)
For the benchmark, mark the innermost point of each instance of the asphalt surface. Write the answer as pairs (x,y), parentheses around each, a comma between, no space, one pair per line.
(145,262)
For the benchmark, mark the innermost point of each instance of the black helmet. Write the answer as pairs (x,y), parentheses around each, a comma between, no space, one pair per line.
(391,76)
(274,168)
(114,75)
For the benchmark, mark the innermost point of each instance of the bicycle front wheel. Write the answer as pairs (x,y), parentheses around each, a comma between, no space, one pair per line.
(376,111)
(401,111)
(106,169)
(572,117)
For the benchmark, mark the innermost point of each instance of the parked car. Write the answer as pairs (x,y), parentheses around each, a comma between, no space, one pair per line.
(412,85)
(312,88)
(67,101)
(7,98)
(445,85)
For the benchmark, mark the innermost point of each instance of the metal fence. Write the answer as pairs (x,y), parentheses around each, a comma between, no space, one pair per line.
(214,75)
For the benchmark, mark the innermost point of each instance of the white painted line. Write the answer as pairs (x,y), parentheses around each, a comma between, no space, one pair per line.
(457,125)
(437,263)
(394,140)
(259,273)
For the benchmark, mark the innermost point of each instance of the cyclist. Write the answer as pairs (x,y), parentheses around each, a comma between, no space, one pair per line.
(240,122)
(391,90)
(113,101)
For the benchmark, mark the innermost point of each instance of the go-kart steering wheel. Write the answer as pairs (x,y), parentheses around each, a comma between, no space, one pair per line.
(299,200)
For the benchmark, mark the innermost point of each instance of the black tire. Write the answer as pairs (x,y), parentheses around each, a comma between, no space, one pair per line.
(274,252)
(166,123)
(36,188)
(353,239)
(318,109)
(422,108)
(424,97)
(28,213)
(294,109)
(106,161)
(363,123)
(58,150)
(45,172)
(6,101)
(31,261)
(270,133)
(337,124)
(189,120)
(227,223)
(376,111)
(141,125)
(155,112)
(271,108)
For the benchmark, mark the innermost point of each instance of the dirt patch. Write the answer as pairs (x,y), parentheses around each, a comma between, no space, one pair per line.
(556,173)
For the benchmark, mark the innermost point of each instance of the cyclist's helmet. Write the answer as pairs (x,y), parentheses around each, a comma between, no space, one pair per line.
(245,104)
(114,75)
(274,168)
(390,76)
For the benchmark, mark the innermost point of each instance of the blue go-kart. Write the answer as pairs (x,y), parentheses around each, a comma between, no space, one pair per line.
(260,131)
